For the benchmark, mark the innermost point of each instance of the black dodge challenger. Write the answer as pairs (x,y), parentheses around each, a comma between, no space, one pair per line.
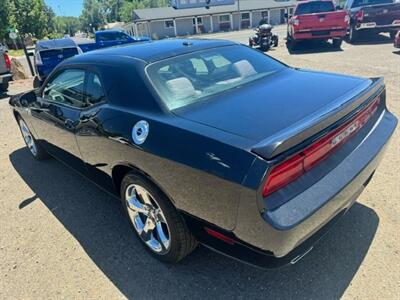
(210,141)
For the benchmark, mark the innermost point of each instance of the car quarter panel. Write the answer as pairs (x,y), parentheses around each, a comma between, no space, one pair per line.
(282,229)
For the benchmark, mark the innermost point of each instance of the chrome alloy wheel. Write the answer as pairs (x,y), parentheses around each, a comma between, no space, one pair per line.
(148,219)
(28,138)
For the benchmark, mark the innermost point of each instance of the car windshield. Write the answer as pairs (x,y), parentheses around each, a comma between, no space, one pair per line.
(314,7)
(190,78)
(358,3)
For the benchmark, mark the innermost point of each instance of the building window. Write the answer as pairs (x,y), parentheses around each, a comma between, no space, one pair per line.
(169,24)
(245,16)
(224,19)
(264,14)
(199,21)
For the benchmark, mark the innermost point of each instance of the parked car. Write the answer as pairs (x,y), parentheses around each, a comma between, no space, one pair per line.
(373,16)
(317,20)
(397,40)
(5,71)
(204,141)
(49,53)
(3,47)
(108,38)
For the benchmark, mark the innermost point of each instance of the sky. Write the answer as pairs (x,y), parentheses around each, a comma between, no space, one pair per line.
(66,7)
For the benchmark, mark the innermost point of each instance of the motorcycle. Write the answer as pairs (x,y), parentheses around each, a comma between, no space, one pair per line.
(264,38)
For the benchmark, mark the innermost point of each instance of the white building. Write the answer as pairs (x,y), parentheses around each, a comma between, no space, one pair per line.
(169,22)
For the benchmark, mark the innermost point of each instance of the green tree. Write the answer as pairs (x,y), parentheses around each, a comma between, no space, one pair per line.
(126,11)
(66,25)
(4,18)
(31,16)
(93,15)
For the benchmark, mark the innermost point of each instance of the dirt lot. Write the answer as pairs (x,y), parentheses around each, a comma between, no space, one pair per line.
(62,237)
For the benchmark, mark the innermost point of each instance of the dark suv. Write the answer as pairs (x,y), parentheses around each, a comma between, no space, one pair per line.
(374,16)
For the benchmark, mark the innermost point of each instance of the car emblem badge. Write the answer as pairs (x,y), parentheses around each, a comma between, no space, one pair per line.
(385,11)
(344,134)
(60,56)
(321,19)
(140,132)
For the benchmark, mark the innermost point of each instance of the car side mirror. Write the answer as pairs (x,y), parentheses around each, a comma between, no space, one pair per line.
(338,7)
(28,98)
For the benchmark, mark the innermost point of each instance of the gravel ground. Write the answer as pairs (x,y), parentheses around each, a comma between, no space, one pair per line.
(62,237)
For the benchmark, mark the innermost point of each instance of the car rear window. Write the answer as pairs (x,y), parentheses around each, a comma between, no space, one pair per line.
(314,7)
(358,3)
(59,53)
(194,77)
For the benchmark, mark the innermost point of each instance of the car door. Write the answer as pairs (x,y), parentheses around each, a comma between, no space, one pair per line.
(56,115)
(94,143)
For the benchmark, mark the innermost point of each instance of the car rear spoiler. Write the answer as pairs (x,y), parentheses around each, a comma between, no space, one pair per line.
(321,119)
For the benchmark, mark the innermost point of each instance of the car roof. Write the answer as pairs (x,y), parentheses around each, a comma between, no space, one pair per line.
(154,50)
(55,43)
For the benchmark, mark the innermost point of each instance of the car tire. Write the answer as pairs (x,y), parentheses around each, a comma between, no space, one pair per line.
(353,35)
(276,41)
(157,224)
(337,43)
(4,86)
(37,151)
(291,44)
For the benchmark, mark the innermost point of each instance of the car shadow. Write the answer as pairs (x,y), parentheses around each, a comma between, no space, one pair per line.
(97,223)
(311,47)
(373,39)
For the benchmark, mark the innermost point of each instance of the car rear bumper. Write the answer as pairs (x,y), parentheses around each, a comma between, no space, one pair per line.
(285,233)
(372,25)
(320,34)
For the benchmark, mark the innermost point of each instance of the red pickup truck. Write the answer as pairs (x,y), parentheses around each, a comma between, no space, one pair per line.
(317,20)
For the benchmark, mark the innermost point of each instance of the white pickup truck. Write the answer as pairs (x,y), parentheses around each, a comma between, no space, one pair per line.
(5,71)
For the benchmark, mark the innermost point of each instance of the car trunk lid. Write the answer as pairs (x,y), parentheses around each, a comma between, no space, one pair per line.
(284,109)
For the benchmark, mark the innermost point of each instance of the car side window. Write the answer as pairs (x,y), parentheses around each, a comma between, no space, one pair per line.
(104,36)
(94,91)
(67,88)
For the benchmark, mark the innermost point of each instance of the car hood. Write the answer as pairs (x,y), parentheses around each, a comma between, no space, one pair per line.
(275,103)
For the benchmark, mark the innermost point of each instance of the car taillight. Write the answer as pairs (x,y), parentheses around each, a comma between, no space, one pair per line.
(7,60)
(295,21)
(283,174)
(359,15)
(294,167)
(346,18)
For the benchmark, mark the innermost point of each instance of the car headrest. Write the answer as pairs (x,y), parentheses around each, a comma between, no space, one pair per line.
(244,68)
(181,87)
